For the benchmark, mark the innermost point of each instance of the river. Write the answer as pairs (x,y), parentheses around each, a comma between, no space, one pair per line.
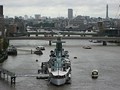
(106,59)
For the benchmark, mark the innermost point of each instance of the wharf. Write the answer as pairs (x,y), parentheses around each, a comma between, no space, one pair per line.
(5,74)
(38,76)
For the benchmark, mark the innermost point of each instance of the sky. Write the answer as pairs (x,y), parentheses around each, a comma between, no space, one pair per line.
(59,8)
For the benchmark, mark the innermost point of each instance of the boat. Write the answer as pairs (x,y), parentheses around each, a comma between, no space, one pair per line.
(87,47)
(38,52)
(40,48)
(96,41)
(94,74)
(12,50)
(59,66)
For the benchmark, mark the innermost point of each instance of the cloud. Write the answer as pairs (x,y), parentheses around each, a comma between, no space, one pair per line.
(59,7)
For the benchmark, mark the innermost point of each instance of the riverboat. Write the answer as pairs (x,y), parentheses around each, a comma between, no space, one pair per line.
(12,50)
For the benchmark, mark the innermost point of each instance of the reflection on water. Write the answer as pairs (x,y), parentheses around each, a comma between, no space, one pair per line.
(104,58)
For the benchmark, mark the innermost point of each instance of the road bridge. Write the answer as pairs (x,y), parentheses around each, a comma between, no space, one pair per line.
(72,37)
(50,39)
(50,33)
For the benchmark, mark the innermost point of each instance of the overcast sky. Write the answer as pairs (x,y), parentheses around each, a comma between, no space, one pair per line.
(58,8)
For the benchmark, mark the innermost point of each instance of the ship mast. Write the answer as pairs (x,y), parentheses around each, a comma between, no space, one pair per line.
(58,45)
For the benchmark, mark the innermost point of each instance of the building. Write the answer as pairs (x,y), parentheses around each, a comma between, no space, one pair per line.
(12,28)
(37,16)
(70,14)
(20,25)
(1,21)
(107,17)
(1,10)
(25,17)
(79,21)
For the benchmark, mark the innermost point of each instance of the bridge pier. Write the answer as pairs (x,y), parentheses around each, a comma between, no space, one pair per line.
(13,79)
(45,35)
(28,35)
(63,35)
(3,75)
(52,35)
(68,35)
(50,42)
(7,77)
(104,43)
(82,35)
(31,51)
(36,35)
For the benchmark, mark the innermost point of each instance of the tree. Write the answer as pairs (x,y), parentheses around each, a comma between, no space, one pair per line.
(3,44)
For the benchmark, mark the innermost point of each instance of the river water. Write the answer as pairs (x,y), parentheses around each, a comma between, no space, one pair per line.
(106,59)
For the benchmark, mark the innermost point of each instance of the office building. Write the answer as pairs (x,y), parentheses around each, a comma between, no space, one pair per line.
(107,17)
(70,14)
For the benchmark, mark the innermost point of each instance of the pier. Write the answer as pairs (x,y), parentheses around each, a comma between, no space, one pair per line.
(5,74)
(8,75)
(38,76)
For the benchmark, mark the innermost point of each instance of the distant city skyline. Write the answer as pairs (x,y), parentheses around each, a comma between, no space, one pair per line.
(59,8)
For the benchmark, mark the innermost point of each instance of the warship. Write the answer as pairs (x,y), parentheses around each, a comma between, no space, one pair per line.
(59,66)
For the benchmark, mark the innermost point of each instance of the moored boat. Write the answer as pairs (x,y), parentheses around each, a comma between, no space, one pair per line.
(40,48)
(87,47)
(12,50)
(59,66)
(38,52)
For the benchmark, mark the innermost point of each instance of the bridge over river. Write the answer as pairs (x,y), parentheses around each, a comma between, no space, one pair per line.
(51,38)
(51,33)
